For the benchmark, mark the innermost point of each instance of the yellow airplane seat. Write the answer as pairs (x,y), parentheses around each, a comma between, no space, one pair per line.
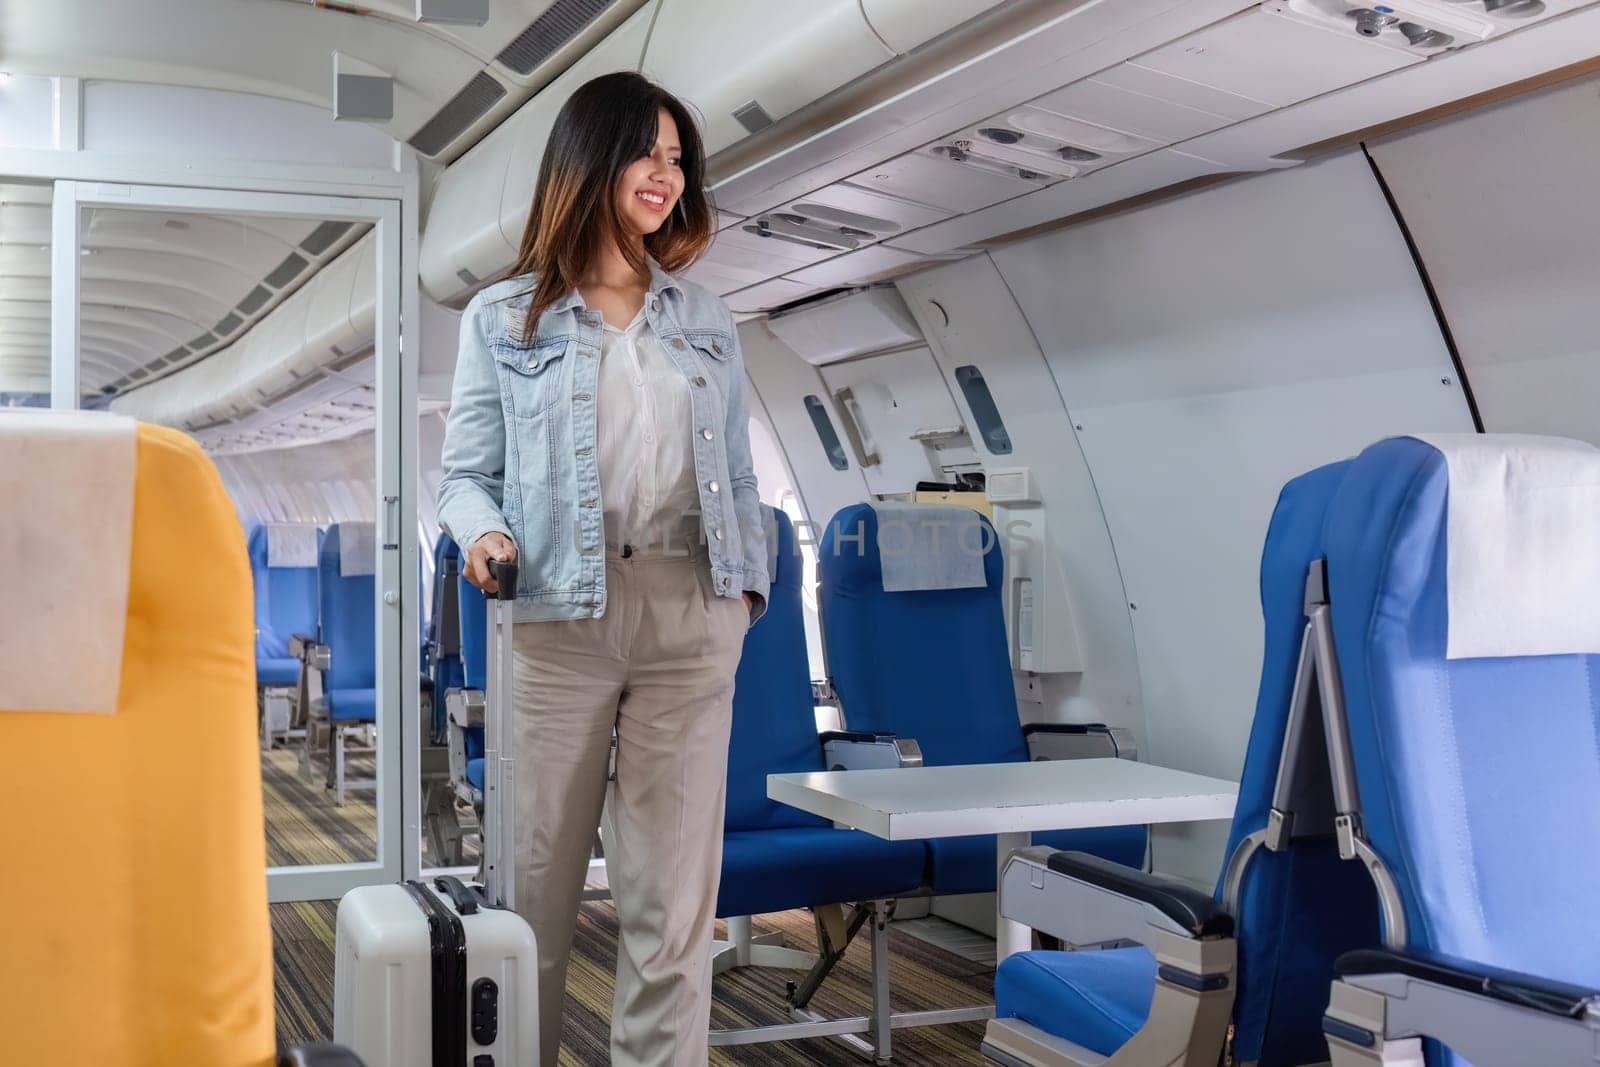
(133,910)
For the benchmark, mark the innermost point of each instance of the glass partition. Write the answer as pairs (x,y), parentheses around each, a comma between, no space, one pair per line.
(265,326)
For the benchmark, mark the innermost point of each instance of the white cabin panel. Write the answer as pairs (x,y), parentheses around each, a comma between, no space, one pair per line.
(1512,251)
(897,417)
(1208,359)
(180,123)
(970,319)
(790,390)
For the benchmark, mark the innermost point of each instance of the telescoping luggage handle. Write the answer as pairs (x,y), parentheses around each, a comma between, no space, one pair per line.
(499,756)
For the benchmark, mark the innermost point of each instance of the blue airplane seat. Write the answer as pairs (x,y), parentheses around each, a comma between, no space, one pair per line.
(776,857)
(346,656)
(1478,776)
(443,641)
(1294,908)
(285,603)
(473,609)
(349,632)
(959,706)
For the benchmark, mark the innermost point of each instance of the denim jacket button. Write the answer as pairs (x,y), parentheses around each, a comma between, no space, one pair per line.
(717,533)
(699,379)
(707,434)
(677,342)
(712,485)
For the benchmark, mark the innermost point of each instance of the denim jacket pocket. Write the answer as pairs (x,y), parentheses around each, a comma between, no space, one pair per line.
(533,379)
(712,344)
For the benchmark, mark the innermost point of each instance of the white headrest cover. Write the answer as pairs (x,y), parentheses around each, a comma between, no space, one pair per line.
(65,554)
(291,544)
(357,549)
(930,546)
(1523,544)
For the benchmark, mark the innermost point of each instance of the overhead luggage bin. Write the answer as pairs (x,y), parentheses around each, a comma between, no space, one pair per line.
(481,203)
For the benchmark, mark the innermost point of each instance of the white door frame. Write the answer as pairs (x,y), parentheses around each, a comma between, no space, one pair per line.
(395,481)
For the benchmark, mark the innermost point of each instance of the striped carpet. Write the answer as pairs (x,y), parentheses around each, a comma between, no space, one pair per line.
(304,826)
(921,977)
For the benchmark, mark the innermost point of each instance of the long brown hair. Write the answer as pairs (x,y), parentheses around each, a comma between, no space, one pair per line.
(602,129)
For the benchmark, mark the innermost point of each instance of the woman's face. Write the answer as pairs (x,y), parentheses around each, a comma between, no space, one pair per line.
(650,187)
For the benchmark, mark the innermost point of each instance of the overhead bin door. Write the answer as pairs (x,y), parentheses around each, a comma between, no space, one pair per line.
(481,205)
(899,418)
(777,55)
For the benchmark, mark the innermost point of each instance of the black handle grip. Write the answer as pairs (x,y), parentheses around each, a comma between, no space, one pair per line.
(465,900)
(504,573)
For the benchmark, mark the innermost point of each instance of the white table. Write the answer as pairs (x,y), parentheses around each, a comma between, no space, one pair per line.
(1011,800)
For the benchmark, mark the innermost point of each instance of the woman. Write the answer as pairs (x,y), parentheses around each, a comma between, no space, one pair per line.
(598,433)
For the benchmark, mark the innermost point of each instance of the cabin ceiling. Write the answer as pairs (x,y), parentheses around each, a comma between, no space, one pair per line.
(901,132)
(451,82)
(160,290)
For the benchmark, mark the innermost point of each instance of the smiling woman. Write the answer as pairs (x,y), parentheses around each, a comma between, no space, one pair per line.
(599,434)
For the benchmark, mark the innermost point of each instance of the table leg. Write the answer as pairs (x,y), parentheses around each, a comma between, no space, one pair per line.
(1009,936)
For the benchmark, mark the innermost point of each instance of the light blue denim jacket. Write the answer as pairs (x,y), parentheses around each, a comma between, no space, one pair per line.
(520,444)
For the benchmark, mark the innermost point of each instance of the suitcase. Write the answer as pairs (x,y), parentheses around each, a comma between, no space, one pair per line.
(445,974)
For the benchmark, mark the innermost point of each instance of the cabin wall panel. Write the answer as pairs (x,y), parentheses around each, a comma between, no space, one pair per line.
(968,316)
(1500,202)
(782,380)
(1212,347)
(182,123)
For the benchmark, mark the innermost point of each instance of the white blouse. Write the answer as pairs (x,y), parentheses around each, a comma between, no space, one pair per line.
(646,425)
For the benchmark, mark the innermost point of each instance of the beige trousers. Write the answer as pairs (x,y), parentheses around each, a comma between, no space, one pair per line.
(658,666)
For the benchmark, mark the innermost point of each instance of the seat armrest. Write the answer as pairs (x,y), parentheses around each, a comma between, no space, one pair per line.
(310,651)
(464,707)
(319,1055)
(1085,901)
(1196,912)
(864,736)
(1386,1000)
(845,750)
(1511,987)
(1063,740)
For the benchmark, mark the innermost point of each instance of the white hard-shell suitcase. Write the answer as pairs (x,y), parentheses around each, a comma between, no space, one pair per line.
(445,974)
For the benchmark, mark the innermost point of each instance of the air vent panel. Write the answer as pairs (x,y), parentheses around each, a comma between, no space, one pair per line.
(560,23)
(850,220)
(287,271)
(753,117)
(322,238)
(253,302)
(452,120)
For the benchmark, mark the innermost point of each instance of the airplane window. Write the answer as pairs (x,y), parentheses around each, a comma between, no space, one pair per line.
(976,390)
(826,433)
